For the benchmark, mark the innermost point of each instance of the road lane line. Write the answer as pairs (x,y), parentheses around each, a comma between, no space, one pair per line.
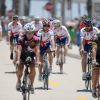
(53,83)
(82,98)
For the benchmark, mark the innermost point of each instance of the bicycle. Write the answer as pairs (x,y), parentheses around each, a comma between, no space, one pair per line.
(46,71)
(88,81)
(25,83)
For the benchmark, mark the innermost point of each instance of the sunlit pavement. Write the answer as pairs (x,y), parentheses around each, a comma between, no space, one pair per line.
(67,86)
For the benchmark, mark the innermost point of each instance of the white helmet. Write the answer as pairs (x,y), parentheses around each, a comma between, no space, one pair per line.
(37,18)
(29,27)
(56,23)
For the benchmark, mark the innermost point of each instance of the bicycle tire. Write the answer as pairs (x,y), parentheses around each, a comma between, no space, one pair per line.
(26,93)
(87,84)
(46,83)
(45,76)
(24,96)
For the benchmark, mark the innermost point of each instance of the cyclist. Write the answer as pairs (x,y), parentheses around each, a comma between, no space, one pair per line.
(37,23)
(88,34)
(96,68)
(46,41)
(14,30)
(28,44)
(61,36)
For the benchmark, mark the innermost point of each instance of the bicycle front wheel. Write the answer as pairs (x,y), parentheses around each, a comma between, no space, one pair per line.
(46,83)
(26,96)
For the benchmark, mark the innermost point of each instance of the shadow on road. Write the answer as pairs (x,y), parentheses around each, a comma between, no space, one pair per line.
(59,73)
(12,72)
(41,88)
(84,90)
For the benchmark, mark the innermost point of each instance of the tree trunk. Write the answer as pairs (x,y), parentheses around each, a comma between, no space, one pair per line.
(15,6)
(27,7)
(2,8)
(89,8)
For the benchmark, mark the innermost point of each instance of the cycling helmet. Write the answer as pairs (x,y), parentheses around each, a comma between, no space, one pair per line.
(88,22)
(29,27)
(15,17)
(56,23)
(37,18)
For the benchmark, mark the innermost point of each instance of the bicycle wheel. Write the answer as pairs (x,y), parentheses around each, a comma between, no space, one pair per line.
(45,76)
(46,83)
(26,96)
(87,83)
(25,88)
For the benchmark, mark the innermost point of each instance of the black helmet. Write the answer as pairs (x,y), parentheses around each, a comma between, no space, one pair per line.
(88,22)
(15,17)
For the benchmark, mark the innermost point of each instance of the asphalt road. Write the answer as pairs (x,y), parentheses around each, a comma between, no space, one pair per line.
(67,86)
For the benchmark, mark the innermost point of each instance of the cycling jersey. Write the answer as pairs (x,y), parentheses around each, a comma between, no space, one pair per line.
(28,46)
(45,39)
(14,29)
(88,37)
(61,35)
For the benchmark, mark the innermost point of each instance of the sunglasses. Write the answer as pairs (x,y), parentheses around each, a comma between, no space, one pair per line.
(45,25)
(29,32)
(15,19)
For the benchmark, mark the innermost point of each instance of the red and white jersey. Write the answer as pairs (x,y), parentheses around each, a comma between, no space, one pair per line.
(14,29)
(45,36)
(89,35)
(61,32)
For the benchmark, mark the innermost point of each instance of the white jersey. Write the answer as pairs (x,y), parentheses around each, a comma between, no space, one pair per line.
(61,32)
(45,36)
(89,35)
(14,29)
(38,26)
